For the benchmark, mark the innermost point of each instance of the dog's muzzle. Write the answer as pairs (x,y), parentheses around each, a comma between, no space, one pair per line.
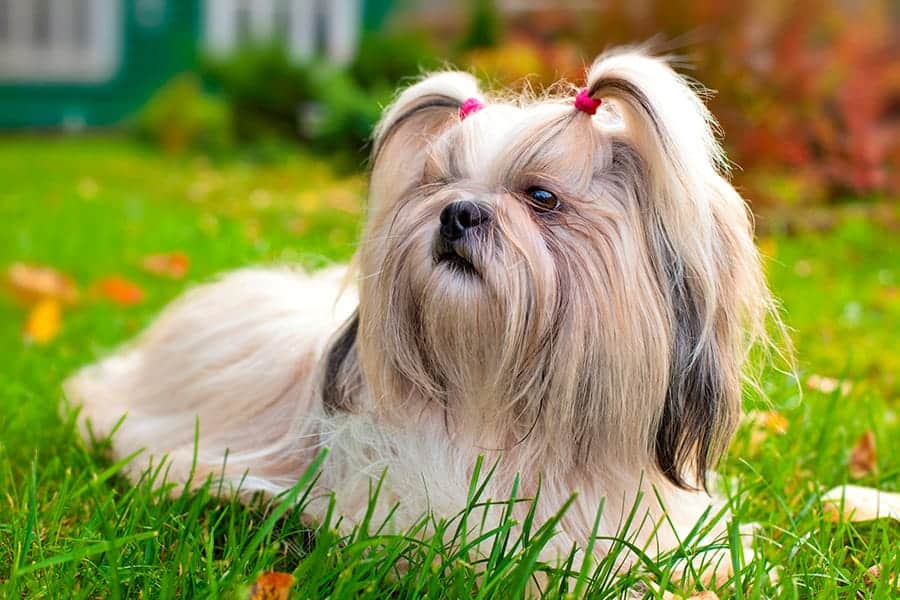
(453,243)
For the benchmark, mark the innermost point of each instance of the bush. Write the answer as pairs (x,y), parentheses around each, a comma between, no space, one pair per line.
(264,89)
(386,60)
(274,98)
(180,116)
(485,26)
(341,116)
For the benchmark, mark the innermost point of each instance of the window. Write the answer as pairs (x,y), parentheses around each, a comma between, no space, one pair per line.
(40,14)
(328,28)
(243,25)
(59,40)
(81,26)
(4,22)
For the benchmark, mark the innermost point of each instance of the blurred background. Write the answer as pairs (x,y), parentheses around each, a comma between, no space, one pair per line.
(215,133)
(808,93)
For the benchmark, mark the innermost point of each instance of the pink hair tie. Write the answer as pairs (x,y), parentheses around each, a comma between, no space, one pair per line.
(469,106)
(585,103)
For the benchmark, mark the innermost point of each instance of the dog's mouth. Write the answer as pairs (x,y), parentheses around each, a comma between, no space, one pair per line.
(453,257)
(457,263)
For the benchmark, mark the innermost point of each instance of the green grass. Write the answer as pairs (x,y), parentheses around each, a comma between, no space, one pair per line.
(70,527)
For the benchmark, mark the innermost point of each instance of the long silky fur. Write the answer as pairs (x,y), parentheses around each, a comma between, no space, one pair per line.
(597,348)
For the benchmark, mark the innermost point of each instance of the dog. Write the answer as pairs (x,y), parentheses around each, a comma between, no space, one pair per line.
(567,288)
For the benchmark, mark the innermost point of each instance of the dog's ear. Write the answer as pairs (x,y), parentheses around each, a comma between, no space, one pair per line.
(419,113)
(700,237)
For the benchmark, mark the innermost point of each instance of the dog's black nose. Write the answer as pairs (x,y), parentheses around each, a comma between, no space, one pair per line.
(459,217)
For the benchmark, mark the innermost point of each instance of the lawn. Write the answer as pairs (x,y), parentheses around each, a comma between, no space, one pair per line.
(69,526)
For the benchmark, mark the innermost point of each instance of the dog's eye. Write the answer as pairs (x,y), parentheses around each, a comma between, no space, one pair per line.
(542,200)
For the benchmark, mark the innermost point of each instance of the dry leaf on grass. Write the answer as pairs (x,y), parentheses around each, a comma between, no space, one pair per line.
(88,188)
(120,290)
(763,424)
(768,246)
(33,283)
(44,321)
(828,385)
(272,586)
(874,574)
(173,265)
(863,459)
(770,420)
(857,503)
(704,595)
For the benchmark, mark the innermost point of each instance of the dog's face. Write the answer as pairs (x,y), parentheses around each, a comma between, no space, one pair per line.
(578,286)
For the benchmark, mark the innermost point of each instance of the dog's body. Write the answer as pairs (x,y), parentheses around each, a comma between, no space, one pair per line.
(242,362)
(590,339)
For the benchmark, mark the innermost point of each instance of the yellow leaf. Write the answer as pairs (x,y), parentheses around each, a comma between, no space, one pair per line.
(773,421)
(768,246)
(863,459)
(44,321)
(763,424)
(87,188)
(33,283)
(272,586)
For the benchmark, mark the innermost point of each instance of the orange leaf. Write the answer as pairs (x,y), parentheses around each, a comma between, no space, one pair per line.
(44,321)
(863,459)
(772,421)
(763,424)
(174,265)
(272,586)
(33,283)
(120,290)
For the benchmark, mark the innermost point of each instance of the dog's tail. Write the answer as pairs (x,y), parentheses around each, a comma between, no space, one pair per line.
(226,371)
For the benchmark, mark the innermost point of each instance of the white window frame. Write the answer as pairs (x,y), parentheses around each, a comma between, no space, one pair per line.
(341,26)
(60,59)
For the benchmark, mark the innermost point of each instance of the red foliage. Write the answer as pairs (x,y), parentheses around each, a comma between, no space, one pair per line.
(803,89)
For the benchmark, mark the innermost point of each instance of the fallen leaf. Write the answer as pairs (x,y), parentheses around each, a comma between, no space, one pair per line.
(272,586)
(828,385)
(765,423)
(174,265)
(704,595)
(252,231)
(803,268)
(44,321)
(863,459)
(33,283)
(857,503)
(88,188)
(768,246)
(120,290)
(771,420)
(873,576)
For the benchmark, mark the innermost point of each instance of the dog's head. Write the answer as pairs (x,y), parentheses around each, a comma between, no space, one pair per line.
(584,285)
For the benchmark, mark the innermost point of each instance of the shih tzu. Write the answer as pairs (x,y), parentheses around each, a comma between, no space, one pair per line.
(568,288)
